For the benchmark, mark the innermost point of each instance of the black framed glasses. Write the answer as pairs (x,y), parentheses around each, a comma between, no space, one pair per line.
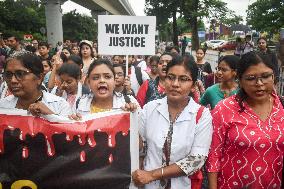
(19,74)
(181,79)
(264,78)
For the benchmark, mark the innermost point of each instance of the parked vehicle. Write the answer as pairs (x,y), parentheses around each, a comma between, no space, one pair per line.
(213,44)
(228,45)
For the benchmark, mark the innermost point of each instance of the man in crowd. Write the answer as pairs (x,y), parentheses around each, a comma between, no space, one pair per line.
(13,46)
(263,49)
(44,50)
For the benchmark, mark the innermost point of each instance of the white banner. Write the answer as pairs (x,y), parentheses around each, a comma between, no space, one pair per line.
(126,35)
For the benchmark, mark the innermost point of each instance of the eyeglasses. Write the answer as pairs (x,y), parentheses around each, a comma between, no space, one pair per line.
(264,78)
(181,79)
(19,74)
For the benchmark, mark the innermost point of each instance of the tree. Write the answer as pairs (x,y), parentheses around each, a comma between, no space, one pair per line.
(78,27)
(21,17)
(266,15)
(199,9)
(192,11)
(164,10)
(229,21)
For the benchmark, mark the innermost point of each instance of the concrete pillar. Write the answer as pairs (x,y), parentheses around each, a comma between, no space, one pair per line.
(53,21)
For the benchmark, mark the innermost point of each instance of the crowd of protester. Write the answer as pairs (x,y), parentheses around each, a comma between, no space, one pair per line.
(226,125)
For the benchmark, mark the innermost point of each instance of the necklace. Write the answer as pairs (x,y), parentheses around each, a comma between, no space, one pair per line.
(267,113)
(23,106)
(39,98)
(260,123)
(226,93)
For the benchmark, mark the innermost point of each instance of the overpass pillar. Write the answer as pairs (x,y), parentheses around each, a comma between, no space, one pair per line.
(53,16)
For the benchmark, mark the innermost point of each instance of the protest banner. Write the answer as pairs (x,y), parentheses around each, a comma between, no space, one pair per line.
(58,153)
(126,35)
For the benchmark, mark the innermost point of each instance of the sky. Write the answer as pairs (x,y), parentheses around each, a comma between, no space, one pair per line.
(239,6)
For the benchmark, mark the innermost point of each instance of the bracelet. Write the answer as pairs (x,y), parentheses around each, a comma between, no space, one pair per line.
(162,172)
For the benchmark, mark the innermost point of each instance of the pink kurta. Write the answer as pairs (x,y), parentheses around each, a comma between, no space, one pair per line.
(247,152)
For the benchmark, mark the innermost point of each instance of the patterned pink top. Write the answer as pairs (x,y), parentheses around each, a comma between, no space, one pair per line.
(247,152)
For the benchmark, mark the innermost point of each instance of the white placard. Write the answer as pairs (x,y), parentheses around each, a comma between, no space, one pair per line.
(126,35)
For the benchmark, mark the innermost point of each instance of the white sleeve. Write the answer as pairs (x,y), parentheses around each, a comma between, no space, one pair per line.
(142,123)
(143,65)
(133,100)
(53,90)
(64,108)
(203,134)
(145,76)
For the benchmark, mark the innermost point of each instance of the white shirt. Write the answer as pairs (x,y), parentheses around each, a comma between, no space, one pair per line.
(56,104)
(188,137)
(64,95)
(143,65)
(84,106)
(3,90)
(133,80)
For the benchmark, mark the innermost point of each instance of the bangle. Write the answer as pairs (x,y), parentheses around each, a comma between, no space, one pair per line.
(162,172)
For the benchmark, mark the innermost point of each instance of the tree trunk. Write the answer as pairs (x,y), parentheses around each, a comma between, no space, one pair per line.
(175,34)
(194,26)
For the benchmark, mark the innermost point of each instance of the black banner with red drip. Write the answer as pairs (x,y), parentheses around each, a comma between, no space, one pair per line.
(41,154)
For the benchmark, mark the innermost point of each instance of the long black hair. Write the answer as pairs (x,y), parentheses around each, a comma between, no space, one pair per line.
(72,70)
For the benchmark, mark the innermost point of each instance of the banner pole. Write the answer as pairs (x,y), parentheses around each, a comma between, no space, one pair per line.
(126,65)
(134,145)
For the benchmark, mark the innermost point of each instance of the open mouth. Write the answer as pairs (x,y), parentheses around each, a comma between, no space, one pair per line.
(102,89)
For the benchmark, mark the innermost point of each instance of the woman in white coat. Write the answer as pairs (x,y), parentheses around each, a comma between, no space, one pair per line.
(177,143)
(23,74)
(101,80)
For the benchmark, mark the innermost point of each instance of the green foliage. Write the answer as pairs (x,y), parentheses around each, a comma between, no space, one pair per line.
(266,15)
(191,13)
(78,27)
(21,17)
(164,10)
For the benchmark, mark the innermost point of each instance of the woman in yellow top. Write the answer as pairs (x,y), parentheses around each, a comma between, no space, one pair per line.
(101,80)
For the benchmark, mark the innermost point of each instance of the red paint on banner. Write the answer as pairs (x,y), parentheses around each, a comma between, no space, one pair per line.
(83,156)
(110,158)
(25,152)
(32,126)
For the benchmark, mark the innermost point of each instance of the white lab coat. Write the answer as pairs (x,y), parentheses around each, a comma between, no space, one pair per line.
(188,137)
(56,104)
